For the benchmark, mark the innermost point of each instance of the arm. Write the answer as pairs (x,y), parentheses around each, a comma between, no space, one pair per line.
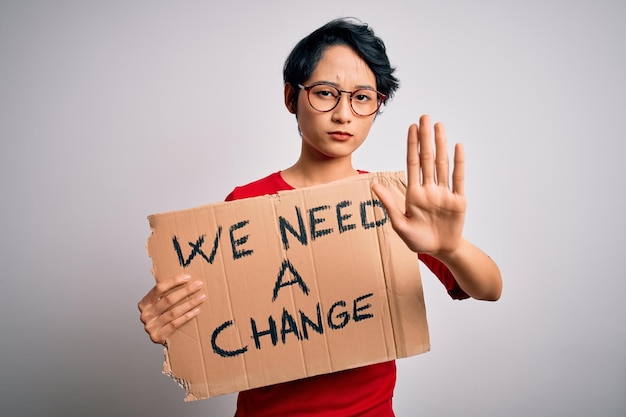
(477,274)
(434,214)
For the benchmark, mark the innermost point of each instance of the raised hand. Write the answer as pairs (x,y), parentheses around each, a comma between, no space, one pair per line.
(434,212)
(170,304)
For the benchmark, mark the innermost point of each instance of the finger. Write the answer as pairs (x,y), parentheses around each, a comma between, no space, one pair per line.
(386,198)
(412,157)
(426,156)
(441,155)
(161,288)
(177,295)
(152,307)
(162,326)
(458,173)
(163,332)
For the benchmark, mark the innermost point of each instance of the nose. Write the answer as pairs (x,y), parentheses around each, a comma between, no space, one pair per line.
(342,113)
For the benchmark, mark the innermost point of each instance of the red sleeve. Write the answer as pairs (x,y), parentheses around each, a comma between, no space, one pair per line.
(445,276)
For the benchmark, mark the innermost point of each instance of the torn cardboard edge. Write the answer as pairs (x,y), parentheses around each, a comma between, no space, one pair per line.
(300,283)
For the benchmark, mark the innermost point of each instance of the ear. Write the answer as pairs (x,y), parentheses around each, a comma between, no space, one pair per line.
(290,98)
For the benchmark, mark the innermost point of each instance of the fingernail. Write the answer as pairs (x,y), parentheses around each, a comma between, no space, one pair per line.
(184,278)
(196,285)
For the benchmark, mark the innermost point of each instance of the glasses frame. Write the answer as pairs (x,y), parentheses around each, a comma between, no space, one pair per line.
(380,101)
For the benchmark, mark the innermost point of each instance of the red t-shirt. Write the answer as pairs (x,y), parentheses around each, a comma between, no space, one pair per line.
(363,392)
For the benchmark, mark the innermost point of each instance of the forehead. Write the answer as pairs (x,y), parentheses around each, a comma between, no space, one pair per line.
(341,65)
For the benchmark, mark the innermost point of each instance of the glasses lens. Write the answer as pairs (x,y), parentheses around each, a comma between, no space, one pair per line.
(365,102)
(323,97)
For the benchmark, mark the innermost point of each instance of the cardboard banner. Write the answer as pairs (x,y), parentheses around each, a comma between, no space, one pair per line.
(302,283)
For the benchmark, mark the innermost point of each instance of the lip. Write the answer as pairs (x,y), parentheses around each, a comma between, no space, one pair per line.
(338,135)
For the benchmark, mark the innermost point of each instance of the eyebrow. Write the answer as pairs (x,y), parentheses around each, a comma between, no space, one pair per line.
(357,87)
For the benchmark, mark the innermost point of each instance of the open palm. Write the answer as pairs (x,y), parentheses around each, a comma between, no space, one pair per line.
(434,212)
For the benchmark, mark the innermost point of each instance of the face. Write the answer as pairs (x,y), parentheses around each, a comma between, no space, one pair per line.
(339,132)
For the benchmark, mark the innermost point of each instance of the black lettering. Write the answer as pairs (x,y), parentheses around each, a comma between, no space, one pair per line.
(288,325)
(285,225)
(222,352)
(297,279)
(195,249)
(343,217)
(316,326)
(377,223)
(313,221)
(357,309)
(238,242)
(343,315)
(257,334)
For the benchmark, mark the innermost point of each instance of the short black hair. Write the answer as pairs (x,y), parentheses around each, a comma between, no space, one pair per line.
(351,32)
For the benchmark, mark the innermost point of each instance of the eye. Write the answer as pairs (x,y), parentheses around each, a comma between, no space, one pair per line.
(363,96)
(324,92)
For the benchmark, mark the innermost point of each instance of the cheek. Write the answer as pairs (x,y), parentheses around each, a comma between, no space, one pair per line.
(364,129)
(307,125)
(306,116)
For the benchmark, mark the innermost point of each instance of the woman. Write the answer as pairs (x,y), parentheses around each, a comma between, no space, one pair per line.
(336,79)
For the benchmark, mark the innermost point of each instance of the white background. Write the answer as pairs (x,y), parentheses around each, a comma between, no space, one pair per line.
(110,111)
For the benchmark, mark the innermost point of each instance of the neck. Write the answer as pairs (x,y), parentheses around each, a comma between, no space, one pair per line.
(307,174)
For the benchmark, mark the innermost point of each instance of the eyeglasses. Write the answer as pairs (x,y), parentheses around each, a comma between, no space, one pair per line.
(325,97)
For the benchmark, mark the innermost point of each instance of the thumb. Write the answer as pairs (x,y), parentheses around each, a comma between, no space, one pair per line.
(389,203)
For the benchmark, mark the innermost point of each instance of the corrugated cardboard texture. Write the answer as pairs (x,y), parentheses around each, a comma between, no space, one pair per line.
(306,282)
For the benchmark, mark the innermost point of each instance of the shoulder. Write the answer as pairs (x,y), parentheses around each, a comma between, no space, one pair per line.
(270,184)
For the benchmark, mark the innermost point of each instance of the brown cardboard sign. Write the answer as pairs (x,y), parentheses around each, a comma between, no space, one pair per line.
(302,283)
